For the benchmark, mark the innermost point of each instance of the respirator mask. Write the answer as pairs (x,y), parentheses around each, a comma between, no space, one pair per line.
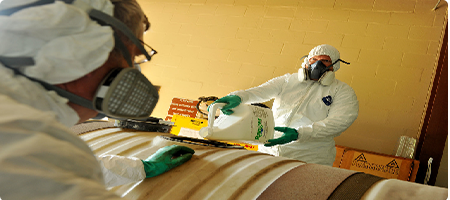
(318,71)
(124,93)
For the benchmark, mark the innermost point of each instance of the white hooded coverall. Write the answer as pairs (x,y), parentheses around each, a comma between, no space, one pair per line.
(302,104)
(40,158)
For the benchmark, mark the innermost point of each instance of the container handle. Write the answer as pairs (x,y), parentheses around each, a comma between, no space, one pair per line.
(212,114)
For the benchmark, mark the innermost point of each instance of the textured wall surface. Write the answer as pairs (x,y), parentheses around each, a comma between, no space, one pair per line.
(213,47)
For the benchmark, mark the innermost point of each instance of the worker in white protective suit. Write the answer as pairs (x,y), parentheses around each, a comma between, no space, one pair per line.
(310,108)
(58,58)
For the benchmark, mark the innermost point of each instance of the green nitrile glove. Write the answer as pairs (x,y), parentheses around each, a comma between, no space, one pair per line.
(289,135)
(231,101)
(166,159)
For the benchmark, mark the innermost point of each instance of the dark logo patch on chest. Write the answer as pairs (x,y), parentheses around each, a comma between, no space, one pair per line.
(327,100)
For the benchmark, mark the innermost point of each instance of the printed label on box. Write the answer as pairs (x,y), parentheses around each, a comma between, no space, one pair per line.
(387,167)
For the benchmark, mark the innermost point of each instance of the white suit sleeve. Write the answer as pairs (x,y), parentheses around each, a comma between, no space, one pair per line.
(41,159)
(263,92)
(120,170)
(343,112)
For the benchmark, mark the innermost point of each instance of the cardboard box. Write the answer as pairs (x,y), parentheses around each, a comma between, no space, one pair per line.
(339,154)
(381,165)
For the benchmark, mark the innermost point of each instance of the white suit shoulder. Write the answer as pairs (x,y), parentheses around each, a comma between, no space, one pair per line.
(37,151)
(343,87)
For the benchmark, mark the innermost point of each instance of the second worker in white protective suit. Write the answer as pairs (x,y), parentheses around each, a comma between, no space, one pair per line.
(311,107)
(56,59)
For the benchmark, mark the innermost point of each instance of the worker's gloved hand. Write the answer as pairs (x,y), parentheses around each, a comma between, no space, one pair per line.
(231,101)
(166,159)
(289,135)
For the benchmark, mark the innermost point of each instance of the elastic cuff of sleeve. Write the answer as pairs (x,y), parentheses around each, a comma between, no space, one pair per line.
(148,168)
(240,98)
(305,132)
(241,95)
(300,134)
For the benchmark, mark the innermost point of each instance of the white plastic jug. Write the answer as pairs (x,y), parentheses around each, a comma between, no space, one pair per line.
(248,124)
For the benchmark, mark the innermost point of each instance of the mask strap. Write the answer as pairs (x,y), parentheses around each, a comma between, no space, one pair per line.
(302,60)
(105,19)
(336,62)
(15,63)
(99,16)
(329,66)
(341,61)
(12,10)
(303,57)
(111,21)
(121,46)
(72,97)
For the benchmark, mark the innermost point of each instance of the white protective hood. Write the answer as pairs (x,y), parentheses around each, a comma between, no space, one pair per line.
(65,45)
(64,42)
(324,49)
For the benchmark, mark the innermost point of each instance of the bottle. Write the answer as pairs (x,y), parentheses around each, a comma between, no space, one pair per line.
(248,124)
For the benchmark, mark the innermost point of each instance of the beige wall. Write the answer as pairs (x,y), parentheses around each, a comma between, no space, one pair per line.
(213,47)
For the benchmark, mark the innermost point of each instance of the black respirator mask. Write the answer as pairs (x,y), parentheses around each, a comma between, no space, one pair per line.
(125,93)
(319,71)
